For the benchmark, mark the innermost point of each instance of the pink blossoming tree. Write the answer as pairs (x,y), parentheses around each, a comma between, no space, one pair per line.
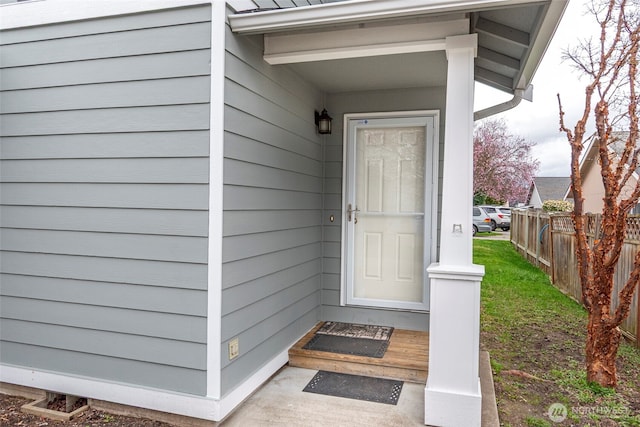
(503,167)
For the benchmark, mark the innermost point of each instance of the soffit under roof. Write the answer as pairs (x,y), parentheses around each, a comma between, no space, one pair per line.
(512,38)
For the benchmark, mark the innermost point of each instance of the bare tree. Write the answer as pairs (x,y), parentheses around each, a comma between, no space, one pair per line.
(611,99)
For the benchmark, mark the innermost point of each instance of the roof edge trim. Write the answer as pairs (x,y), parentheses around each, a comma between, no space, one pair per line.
(546,31)
(43,12)
(352,11)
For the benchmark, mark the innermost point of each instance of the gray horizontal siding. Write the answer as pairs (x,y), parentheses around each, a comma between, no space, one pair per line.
(186,90)
(121,69)
(104,319)
(186,171)
(272,200)
(262,343)
(251,245)
(131,119)
(279,157)
(255,175)
(104,194)
(255,268)
(245,222)
(99,146)
(117,270)
(94,365)
(247,198)
(239,297)
(114,344)
(252,314)
(155,19)
(267,133)
(268,110)
(118,295)
(107,45)
(107,220)
(106,245)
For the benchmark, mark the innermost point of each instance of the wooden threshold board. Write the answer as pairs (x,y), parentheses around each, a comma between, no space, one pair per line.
(406,358)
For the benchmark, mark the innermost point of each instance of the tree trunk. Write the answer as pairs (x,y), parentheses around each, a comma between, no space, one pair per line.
(602,346)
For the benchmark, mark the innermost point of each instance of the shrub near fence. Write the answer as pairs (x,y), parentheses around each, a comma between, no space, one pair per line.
(549,242)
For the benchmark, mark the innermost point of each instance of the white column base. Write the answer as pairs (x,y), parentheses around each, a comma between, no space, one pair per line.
(447,408)
(452,394)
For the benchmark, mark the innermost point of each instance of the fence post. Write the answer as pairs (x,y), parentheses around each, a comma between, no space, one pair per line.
(514,226)
(526,236)
(551,251)
(516,235)
(538,239)
(638,320)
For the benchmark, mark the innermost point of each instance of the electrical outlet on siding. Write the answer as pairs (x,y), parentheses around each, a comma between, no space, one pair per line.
(234,348)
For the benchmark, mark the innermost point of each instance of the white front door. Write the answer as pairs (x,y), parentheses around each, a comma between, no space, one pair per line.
(390,186)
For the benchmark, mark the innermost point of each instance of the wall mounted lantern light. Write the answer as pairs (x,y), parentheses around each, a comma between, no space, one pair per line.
(323,122)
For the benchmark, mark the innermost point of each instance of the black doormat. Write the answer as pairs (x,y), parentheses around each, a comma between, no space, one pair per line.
(354,330)
(355,387)
(345,345)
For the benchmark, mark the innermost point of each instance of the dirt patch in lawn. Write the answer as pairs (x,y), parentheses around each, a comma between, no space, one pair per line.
(10,415)
(536,338)
(543,374)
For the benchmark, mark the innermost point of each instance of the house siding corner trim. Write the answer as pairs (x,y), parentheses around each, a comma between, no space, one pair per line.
(216,177)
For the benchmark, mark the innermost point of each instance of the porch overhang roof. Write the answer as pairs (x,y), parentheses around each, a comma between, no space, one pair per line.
(513,35)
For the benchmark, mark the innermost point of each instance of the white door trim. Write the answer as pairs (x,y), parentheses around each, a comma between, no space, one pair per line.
(416,118)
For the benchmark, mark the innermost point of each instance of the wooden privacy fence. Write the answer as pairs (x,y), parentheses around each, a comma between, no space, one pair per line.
(549,242)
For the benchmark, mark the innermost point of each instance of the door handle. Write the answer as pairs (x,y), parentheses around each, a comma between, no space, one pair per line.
(352,213)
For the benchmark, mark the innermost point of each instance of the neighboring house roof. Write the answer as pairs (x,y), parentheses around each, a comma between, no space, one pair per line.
(616,147)
(592,187)
(512,34)
(591,158)
(549,188)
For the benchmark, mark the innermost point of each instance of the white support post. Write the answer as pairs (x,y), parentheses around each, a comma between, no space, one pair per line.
(457,186)
(452,393)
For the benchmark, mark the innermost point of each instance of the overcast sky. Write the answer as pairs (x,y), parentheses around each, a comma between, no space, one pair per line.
(538,121)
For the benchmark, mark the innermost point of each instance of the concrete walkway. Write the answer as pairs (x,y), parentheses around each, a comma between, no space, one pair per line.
(281,402)
(502,235)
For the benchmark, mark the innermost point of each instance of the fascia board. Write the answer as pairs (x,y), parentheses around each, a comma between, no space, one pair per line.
(589,153)
(304,46)
(355,52)
(355,11)
(547,29)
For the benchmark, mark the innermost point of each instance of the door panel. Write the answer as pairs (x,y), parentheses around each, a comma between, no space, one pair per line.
(386,195)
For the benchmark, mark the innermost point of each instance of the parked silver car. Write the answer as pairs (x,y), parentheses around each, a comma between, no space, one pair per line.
(481,221)
(507,213)
(499,219)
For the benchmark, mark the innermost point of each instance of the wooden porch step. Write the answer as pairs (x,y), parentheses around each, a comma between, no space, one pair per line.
(406,358)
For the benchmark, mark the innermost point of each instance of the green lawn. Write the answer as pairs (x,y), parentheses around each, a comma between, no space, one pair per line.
(535,336)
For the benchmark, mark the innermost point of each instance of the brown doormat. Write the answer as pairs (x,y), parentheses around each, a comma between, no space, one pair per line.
(347,338)
(355,387)
(353,330)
